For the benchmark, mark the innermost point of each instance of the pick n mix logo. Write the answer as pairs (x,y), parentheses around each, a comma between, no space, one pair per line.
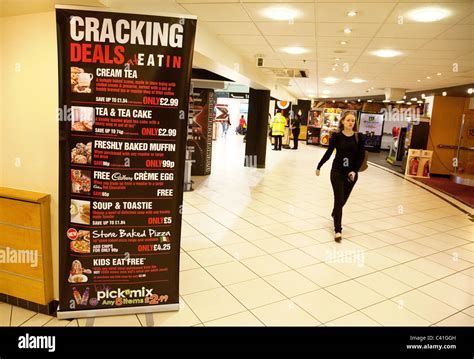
(126,296)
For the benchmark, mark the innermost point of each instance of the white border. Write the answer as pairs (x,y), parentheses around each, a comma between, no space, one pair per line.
(105,9)
(103,312)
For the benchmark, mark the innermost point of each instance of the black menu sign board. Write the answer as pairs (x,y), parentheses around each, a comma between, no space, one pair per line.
(202,114)
(123,95)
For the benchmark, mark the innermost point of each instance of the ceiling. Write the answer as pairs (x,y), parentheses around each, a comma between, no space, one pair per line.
(445,46)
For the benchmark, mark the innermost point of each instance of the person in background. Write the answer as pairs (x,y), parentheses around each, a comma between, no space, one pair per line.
(225,126)
(295,128)
(278,129)
(349,147)
(270,120)
(243,124)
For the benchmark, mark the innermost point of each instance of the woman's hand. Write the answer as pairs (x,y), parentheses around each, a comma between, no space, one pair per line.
(318,172)
(352,176)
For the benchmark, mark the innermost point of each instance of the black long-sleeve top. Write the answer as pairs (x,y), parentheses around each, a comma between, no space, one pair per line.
(349,152)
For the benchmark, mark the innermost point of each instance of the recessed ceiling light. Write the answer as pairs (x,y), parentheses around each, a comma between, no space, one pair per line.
(333,101)
(343,42)
(428,14)
(358,100)
(357,81)
(369,100)
(330,80)
(345,101)
(470,91)
(444,93)
(347,30)
(408,103)
(428,77)
(281,13)
(295,50)
(418,80)
(326,92)
(401,101)
(439,74)
(351,13)
(337,59)
(386,53)
(335,65)
(386,101)
(419,101)
(334,69)
(414,99)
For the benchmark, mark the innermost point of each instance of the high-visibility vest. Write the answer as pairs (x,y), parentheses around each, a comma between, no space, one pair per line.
(278,125)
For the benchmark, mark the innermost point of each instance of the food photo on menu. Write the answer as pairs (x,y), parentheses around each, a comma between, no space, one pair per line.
(80,80)
(80,212)
(83,119)
(82,243)
(80,181)
(82,153)
(76,274)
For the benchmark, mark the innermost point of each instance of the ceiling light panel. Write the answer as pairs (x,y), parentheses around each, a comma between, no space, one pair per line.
(386,53)
(302,12)
(366,12)
(334,42)
(333,29)
(428,14)
(454,12)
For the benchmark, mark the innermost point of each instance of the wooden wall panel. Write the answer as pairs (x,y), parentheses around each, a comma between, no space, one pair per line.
(444,129)
(25,225)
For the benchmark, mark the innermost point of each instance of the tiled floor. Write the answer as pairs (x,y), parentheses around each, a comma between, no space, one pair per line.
(257,249)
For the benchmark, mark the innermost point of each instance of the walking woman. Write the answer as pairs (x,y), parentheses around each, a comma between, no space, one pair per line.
(349,147)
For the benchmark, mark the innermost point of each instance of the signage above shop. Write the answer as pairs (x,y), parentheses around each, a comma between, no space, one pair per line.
(235,95)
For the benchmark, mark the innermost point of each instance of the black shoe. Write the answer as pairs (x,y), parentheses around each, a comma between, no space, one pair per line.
(338,238)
